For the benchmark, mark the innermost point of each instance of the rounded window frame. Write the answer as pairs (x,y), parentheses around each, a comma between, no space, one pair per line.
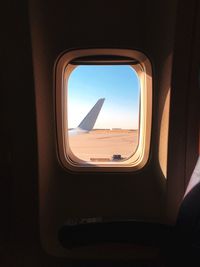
(63,70)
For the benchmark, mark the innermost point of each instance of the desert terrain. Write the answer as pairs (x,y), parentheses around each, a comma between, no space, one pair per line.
(101,145)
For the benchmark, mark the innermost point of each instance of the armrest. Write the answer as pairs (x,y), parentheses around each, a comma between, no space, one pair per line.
(131,232)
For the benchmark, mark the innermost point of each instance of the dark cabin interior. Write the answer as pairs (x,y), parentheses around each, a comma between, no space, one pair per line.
(37,194)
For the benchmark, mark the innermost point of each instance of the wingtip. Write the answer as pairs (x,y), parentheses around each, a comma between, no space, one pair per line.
(88,122)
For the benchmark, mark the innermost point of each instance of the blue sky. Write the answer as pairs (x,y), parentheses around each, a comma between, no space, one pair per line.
(119,85)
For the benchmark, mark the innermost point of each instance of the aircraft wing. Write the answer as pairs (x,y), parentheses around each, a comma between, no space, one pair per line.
(88,122)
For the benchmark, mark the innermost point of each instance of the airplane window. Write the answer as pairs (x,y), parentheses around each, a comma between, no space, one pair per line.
(103,109)
(103,112)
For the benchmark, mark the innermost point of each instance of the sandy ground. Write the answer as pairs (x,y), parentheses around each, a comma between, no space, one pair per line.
(103,144)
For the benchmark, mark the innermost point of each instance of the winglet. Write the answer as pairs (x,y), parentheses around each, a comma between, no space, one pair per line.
(88,122)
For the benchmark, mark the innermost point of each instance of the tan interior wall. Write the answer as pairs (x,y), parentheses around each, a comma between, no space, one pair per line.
(138,195)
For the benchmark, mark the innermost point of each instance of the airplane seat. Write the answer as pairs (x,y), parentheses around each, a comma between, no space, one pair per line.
(184,245)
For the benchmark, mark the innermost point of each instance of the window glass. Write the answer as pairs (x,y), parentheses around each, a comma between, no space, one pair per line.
(103,112)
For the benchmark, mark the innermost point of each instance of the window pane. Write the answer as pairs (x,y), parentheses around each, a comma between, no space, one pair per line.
(114,136)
